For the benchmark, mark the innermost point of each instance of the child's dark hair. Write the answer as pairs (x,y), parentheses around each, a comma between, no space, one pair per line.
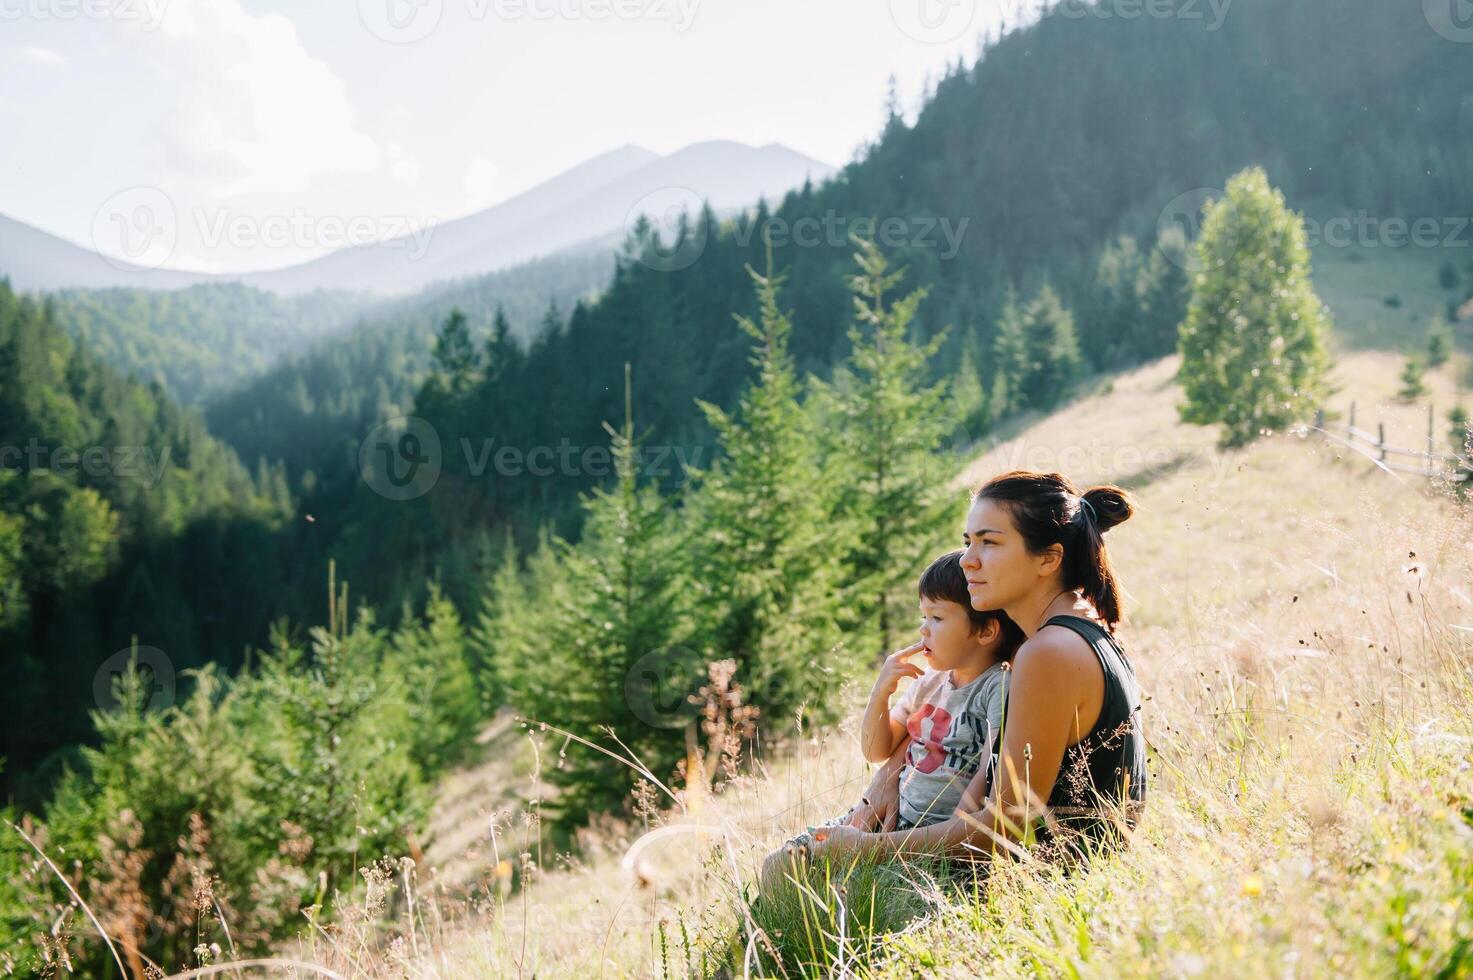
(944,581)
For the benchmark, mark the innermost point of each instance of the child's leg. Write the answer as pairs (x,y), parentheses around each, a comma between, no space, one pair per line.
(793,855)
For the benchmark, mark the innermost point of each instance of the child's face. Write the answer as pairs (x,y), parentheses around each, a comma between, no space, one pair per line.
(946,630)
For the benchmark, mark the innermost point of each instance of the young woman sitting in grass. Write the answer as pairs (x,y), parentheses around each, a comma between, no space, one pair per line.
(1071,770)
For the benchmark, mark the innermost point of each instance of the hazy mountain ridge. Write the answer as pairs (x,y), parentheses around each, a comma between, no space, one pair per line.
(598,197)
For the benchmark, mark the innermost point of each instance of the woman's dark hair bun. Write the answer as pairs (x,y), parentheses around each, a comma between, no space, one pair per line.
(1111,505)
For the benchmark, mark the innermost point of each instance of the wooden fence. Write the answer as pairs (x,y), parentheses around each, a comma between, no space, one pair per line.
(1429,463)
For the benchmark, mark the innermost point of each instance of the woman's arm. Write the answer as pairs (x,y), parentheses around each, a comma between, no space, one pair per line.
(948,835)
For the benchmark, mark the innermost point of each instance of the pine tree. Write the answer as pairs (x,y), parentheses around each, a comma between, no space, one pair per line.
(1253,342)
(456,360)
(615,661)
(332,750)
(1037,351)
(1010,358)
(1052,346)
(883,428)
(443,398)
(504,357)
(429,658)
(760,535)
(1164,290)
(1439,343)
(14,606)
(1000,401)
(1460,434)
(1413,373)
(508,644)
(1447,276)
(970,401)
(497,647)
(1116,308)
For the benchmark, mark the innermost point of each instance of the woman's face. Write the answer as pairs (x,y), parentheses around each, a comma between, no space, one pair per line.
(999,567)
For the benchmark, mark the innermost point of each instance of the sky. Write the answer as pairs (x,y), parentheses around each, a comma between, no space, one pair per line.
(275,130)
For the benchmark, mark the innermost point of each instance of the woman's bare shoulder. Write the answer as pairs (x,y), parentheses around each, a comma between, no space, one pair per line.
(1055,652)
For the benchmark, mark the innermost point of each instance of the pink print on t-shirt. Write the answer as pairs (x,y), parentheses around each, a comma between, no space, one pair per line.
(928,727)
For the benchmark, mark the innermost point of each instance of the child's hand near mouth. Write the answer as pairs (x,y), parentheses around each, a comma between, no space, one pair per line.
(879,734)
(898,665)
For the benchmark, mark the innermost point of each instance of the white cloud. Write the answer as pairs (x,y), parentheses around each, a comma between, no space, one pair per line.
(480,182)
(402,167)
(257,112)
(41,56)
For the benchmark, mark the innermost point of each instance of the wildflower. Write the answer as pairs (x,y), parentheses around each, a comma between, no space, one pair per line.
(1253,886)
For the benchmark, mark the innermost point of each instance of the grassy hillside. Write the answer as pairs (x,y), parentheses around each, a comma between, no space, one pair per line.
(1303,626)
(1302,621)
(1385,298)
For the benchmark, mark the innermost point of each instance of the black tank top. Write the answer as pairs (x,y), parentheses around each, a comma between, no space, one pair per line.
(1103,776)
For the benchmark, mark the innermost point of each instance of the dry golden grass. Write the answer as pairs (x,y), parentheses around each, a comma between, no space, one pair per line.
(1302,623)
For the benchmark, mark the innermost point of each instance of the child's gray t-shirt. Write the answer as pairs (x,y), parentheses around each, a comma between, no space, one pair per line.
(952,731)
